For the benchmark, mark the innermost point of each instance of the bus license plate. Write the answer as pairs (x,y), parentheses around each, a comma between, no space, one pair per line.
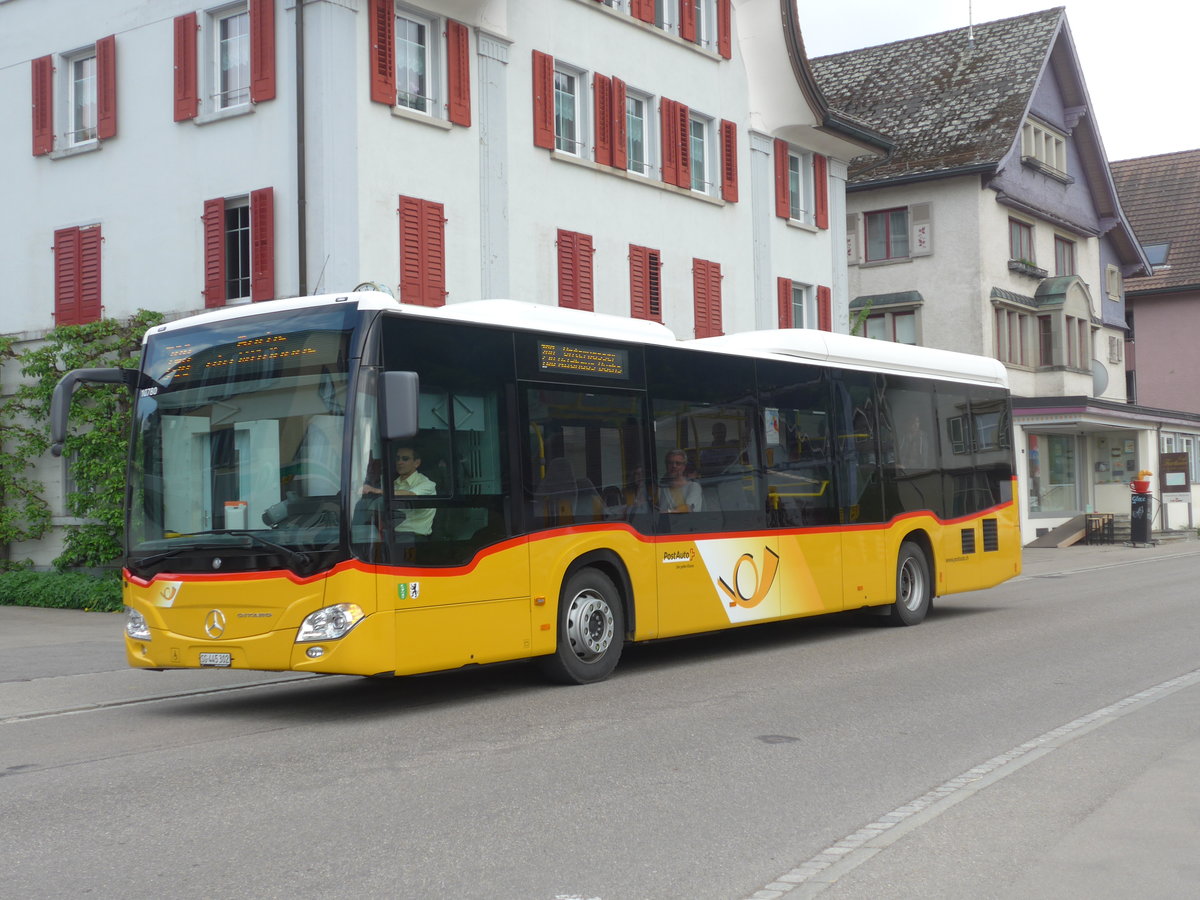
(216,659)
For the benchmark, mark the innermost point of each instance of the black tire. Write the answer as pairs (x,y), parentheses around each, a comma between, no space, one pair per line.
(914,589)
(591,630)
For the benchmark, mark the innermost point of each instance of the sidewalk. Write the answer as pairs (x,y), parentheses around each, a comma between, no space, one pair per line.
(1045,561)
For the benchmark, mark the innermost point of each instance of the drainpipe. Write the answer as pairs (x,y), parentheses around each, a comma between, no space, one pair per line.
(301,197)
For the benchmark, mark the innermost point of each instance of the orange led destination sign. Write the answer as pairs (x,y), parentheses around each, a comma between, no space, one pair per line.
(556,357)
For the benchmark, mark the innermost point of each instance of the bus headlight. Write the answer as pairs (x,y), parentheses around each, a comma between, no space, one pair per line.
(330,623)
(135,625)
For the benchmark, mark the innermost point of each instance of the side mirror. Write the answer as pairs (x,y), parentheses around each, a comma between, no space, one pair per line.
(399,404)
(60,403)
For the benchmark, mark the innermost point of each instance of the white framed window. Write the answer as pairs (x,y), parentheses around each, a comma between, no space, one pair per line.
(570,109)
(1113,282)
(237,249)
(1045,145)
(418,62)
(81,106)
(702,158)
(229,56)
(640,138)
(804,305)
(619,5)
(800,186)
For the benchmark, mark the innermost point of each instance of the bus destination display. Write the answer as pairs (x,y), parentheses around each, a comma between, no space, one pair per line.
(555,357)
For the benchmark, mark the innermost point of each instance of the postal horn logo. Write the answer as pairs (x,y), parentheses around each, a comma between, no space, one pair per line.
(758,583)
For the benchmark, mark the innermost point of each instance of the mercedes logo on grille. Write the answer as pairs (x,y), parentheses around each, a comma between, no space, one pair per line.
(214,623)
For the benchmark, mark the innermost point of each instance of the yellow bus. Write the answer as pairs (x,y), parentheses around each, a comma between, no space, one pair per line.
(346,484)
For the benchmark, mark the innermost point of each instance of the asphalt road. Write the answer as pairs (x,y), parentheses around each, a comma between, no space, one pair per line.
(1038,739)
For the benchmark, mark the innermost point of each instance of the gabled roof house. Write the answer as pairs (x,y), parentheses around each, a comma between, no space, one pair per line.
(994,226)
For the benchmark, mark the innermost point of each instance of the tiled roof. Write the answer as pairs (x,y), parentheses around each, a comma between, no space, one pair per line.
(948,102)
(1161,197)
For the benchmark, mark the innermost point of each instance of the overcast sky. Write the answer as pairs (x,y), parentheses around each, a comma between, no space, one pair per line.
(1138,56)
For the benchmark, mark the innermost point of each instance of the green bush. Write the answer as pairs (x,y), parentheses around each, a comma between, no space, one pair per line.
(61,590)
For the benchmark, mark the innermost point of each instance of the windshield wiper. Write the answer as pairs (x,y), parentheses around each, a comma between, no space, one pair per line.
(296,558)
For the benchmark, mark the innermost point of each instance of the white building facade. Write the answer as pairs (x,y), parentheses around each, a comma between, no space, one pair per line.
(671,161)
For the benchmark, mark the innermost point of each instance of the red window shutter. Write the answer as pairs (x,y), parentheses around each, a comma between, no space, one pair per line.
(187,90)
(724,29)
(783,202)
(543,100)
(687,20)
(262,244)
(106,88)
(645,283)
(383,51)
(824,308)
(262,50)
(433,221)
(643,10)
(620,133)
(602,103)
(422,252)
(684,139)
(670,146)
(821,190)
(214,252)
(89,306)
(729,162)
(787,317)
(458,71)
(575,282)
(706,285)
(66,276)
(43,105)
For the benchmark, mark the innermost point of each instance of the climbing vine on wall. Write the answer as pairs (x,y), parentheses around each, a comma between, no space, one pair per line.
(97,440)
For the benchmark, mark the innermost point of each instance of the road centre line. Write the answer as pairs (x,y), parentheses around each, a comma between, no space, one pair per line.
(815,875)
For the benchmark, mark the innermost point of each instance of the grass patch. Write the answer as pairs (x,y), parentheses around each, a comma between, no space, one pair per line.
(61,590)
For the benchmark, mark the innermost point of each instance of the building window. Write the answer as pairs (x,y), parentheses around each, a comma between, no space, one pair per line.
(1156,254)
(77,275)
(1079,342)
(1064,256)
(1045,340)
(1113,283)
(1044,145)
(575,283)
(422,252)
(701,159)
(900,326)
(804,306)
(1020,241)
(1011,328)
(800,187)
(887,234)
(237,249)
(706,284)
(568,111)
(81,98)
(231,57)
(645,283)
(1053,477)
(416,63)
(638,137)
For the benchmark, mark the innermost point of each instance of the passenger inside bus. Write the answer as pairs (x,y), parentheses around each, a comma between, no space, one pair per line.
(678,493)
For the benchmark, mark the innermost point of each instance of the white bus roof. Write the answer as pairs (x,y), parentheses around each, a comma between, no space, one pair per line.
(817,347)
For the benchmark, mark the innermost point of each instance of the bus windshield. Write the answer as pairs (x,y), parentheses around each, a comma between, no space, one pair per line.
(238,436)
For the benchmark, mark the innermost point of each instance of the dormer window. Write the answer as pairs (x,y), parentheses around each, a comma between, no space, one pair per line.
(1045,145)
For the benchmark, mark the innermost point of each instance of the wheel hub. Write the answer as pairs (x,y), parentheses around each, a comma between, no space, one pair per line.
(590,625)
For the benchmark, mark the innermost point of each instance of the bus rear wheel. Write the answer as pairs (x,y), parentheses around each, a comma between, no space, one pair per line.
(591,630)
(914,590)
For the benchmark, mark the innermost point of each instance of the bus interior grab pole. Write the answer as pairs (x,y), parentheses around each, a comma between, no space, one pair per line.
(60,403)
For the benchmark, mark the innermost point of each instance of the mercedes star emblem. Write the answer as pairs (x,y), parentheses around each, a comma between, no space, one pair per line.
(214,623)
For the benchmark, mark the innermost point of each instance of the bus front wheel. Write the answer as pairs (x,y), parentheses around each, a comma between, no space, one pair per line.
(914,590)
(591,630)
